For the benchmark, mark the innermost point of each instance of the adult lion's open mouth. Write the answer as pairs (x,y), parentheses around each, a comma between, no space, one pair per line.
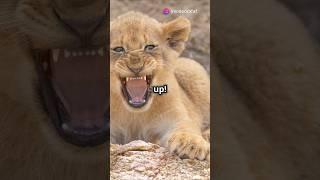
(74,87)
(136,90)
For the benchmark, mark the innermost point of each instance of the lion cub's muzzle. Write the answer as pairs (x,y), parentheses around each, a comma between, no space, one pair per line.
(136,88)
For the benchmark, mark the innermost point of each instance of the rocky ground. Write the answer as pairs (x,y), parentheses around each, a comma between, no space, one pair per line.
(139,160)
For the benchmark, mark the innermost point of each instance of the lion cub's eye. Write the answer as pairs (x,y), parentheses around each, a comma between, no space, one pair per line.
(149,47)
(118,49)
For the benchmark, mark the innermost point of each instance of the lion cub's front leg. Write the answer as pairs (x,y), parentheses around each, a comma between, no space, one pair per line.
(187,142)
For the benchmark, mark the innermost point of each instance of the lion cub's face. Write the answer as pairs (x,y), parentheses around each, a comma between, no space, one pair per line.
(140,47)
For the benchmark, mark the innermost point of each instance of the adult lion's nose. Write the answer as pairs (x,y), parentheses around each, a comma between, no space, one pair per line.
(84,28)
(82,17)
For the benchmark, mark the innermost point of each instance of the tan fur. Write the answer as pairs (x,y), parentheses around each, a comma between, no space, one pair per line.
(30,147)
(174,119)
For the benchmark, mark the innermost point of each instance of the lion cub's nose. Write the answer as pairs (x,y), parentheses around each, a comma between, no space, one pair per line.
(135,64)
(135,70)
(134,60)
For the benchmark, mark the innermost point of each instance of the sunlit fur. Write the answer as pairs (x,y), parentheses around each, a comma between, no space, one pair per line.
(174,119)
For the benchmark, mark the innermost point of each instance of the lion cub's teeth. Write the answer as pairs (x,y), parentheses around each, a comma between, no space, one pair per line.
(55,55)
(136,78)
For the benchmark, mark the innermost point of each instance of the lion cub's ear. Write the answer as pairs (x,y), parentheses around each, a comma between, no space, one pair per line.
(177,32)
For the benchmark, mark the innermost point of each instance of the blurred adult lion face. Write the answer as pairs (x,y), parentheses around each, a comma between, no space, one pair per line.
(67,40)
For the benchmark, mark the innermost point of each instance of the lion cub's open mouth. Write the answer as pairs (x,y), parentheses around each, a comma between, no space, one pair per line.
(136,90)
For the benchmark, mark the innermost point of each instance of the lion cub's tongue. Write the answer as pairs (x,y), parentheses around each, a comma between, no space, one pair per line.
(136,88)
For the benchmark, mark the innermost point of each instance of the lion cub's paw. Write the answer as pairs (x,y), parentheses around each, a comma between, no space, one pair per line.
(189,145)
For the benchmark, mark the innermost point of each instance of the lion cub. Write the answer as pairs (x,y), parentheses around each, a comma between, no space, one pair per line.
(145,53)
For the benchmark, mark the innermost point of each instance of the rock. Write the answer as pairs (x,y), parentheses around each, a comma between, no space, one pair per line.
(139,160)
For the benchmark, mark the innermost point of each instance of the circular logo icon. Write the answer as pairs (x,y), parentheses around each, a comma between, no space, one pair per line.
(166,11)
